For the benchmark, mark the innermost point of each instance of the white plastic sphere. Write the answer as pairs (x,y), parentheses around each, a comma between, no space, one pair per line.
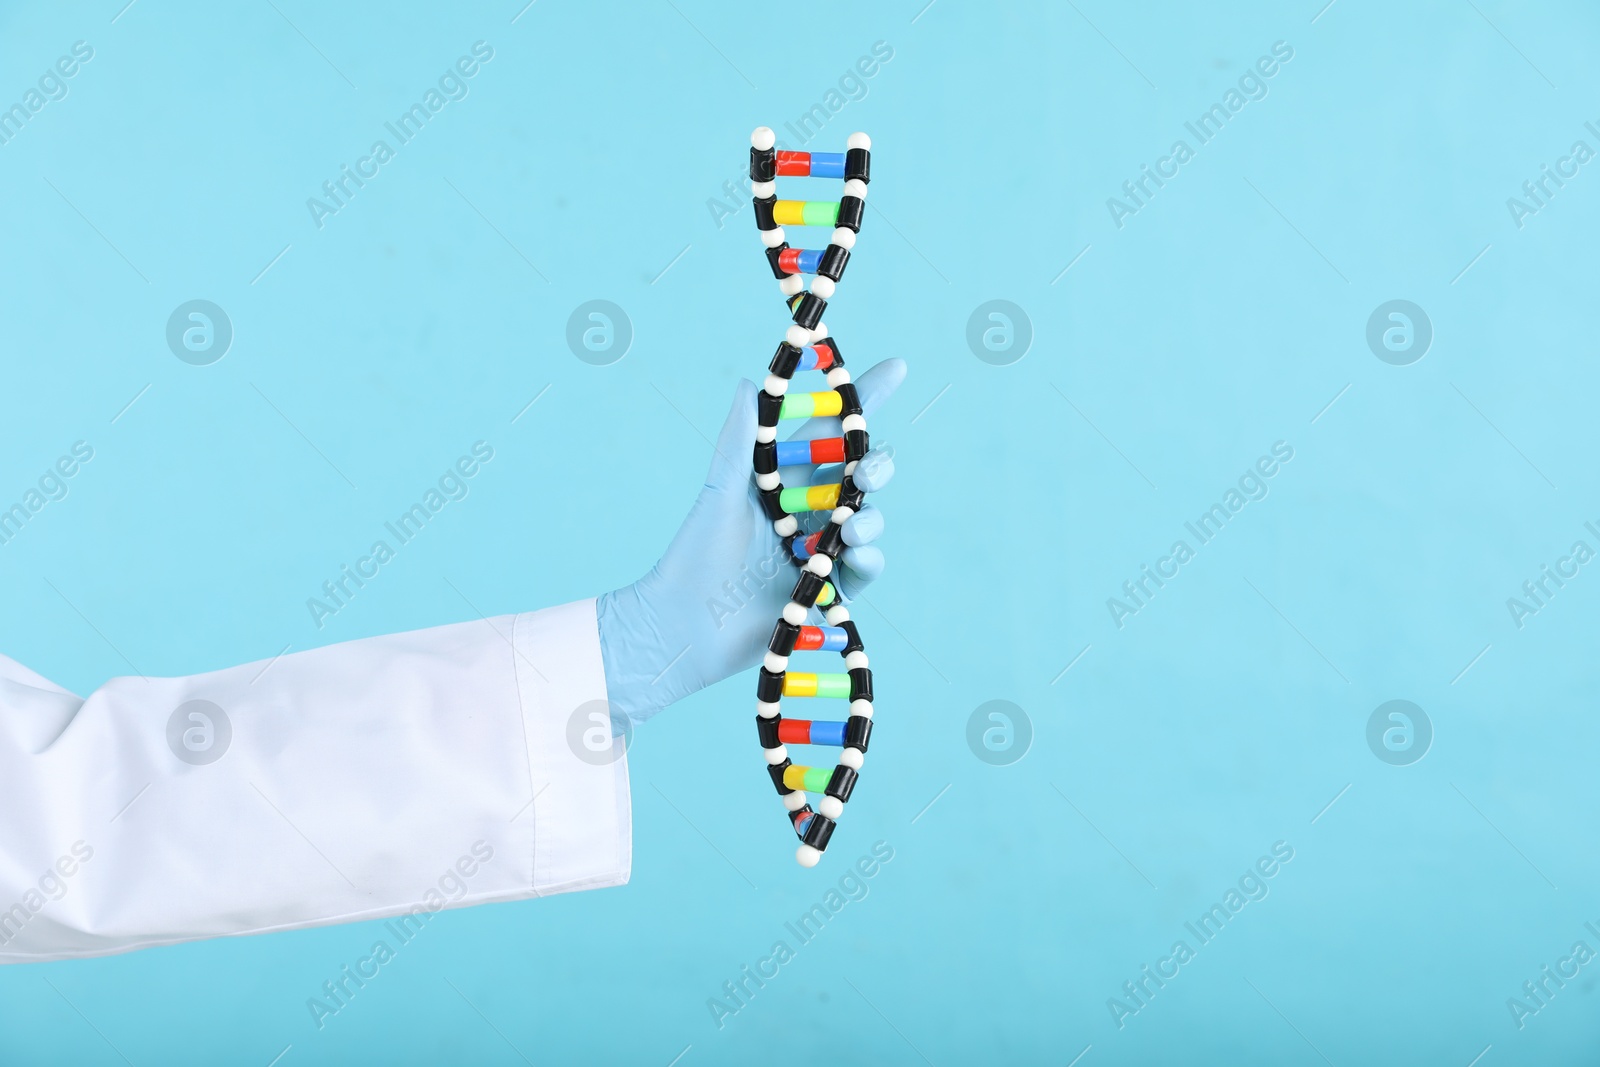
(807,856)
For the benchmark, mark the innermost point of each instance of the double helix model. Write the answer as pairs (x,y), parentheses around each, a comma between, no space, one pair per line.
(806,346)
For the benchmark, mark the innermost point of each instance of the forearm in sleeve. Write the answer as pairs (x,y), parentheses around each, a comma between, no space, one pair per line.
(385,776)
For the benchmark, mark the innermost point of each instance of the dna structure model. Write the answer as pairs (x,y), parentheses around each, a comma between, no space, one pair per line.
(806,346)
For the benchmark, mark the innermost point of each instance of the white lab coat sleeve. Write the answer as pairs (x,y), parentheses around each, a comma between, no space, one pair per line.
(391,776)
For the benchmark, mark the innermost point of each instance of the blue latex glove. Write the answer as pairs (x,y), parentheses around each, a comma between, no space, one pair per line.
(706,610)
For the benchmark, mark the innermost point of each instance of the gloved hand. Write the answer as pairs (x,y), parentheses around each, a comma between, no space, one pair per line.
(706,610)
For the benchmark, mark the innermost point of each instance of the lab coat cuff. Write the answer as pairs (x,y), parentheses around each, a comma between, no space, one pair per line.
(579,828)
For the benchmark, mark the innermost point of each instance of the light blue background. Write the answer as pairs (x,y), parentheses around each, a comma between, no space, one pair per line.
(1223,317)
